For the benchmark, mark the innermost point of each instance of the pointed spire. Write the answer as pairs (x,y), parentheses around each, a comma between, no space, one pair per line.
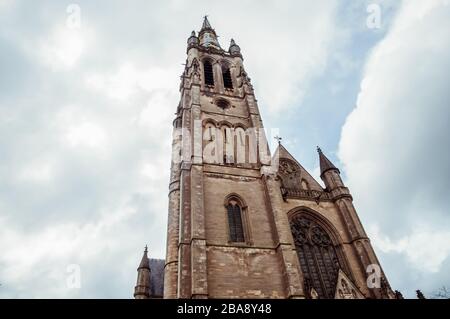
(206,24)
(145,262)
(142,288)
(325,163)
(208,36)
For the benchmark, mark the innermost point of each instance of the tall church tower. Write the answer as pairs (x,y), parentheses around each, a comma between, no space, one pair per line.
(243,224)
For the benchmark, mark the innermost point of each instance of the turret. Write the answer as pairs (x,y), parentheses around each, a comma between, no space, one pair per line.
(193,40)
(234,48)
(142,289)
(329,173)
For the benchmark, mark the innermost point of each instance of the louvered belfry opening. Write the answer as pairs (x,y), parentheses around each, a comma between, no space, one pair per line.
(227,82)
(235,222)
(209,75)
(317,255)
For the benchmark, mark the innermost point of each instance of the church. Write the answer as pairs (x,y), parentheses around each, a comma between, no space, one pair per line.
(244,223)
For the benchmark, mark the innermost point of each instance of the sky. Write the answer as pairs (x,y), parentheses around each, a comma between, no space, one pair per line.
(88,92)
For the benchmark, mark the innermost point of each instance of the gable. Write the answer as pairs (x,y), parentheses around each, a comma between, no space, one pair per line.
(345,289)
(282,153)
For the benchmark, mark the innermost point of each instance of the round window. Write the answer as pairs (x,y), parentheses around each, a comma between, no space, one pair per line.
(223,104)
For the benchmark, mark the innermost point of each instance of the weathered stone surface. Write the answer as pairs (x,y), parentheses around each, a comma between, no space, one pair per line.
(202,260)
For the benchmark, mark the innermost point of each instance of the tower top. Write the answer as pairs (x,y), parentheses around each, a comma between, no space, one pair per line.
(325,163)
(206,24)
(207,35)
(145,262)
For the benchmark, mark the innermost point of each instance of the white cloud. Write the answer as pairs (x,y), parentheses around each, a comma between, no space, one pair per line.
(293,53)
(63,48)
(424,248)
(394,145)
(38,171)
(129,80)
(88,134)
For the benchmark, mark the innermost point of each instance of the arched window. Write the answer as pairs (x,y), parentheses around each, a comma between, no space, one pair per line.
(226,74)
(211,151)
(228,141)
(240,142)
(208,72)
(317,255)
(305,185)
(234,210)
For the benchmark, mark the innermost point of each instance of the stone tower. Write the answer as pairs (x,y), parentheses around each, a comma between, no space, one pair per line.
(142,289)
(243,224)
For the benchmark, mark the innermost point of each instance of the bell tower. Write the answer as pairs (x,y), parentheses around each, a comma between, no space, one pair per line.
(243,224)
(224,238)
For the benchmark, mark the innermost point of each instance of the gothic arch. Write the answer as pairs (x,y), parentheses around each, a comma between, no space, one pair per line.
(209,132)
(236,200)
(225,123)
(224,63)
(236,197)
(208,71)
(319,250)
(210,59)
(227,76)
(318,218)
(209,121)
(240,144)
(240,125)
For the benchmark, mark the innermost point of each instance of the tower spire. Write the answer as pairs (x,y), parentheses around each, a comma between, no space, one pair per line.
(142,288)
(207,35)
(325,163)
(206,24)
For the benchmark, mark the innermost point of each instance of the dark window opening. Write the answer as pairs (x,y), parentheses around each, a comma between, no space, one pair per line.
(317,256)
(235,223)
(223,104)
(227,79)
(209,75)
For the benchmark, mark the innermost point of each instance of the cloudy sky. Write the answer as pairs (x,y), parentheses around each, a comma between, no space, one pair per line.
(86,111)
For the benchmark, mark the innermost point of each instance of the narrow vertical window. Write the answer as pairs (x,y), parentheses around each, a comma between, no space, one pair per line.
(208,72)
(210,133)
(235,222)
(227,82)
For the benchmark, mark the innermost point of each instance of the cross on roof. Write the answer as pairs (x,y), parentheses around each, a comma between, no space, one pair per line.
(278,138)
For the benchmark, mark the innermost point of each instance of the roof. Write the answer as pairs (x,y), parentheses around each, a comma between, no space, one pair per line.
(325,163)
(157,278)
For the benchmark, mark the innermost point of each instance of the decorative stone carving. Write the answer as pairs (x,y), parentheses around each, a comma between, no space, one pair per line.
(289,173)
(346,289)
(317,256)
(195,71)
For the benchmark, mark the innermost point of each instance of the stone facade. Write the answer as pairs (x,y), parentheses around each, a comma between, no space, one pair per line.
(242,224)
